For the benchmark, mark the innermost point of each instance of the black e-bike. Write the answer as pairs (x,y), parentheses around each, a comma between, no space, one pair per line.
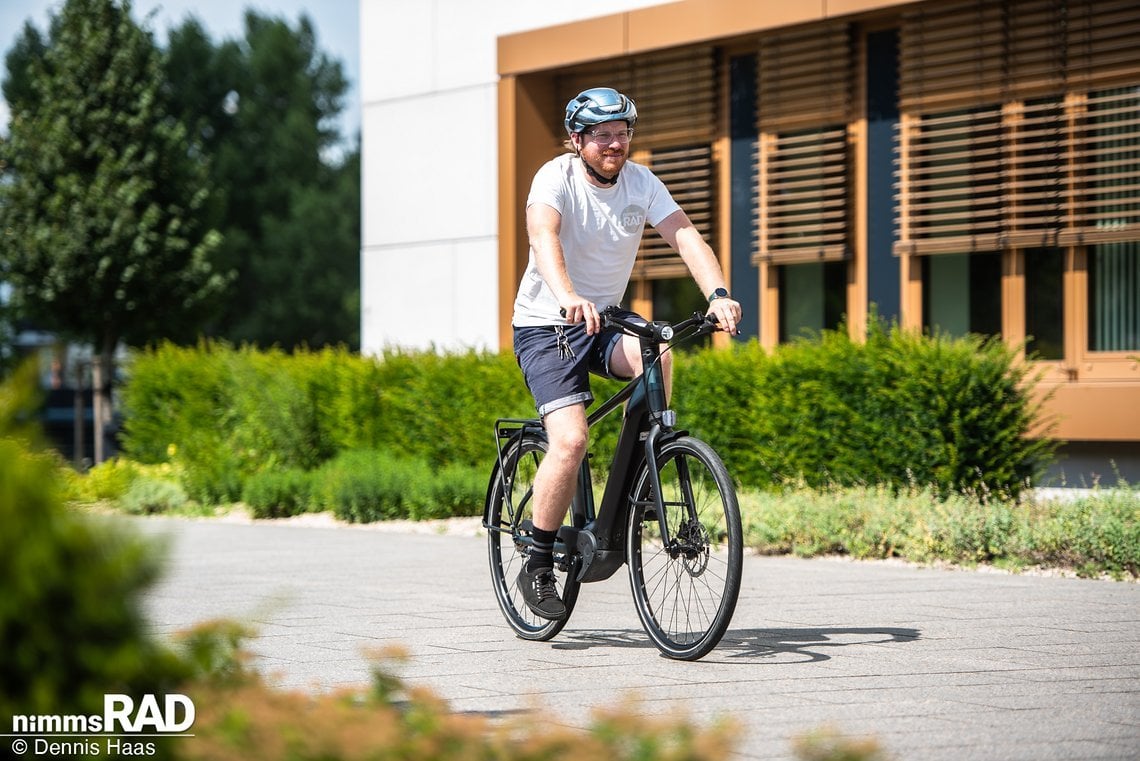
(668,511)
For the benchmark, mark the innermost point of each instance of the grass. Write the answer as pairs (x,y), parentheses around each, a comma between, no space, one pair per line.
(1095,533)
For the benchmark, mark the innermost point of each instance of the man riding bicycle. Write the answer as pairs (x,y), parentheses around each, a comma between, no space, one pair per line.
(585,215)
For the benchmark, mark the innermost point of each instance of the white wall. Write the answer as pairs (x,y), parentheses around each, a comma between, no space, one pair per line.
(429,238)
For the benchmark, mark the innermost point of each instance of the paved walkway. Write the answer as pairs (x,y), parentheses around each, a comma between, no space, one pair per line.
(935,664)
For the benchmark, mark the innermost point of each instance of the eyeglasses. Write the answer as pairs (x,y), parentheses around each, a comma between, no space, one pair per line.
(605,138)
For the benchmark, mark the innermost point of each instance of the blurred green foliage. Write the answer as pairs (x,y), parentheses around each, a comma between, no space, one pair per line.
(71,626)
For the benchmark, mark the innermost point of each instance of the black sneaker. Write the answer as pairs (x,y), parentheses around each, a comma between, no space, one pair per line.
(540,594)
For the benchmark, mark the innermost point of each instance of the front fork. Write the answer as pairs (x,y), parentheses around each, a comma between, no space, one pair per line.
(655,481)
(662,421)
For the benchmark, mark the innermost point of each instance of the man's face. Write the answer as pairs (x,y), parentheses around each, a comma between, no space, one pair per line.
(605,147)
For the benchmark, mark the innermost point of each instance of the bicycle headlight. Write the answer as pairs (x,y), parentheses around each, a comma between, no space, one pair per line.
(667,333)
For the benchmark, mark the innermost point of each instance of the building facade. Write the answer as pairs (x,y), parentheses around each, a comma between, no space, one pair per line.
(955,165)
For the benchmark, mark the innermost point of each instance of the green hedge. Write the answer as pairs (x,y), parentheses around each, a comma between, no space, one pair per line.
(225,414)
(899,409)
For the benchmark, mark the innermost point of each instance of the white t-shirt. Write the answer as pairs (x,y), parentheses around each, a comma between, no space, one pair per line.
(600,234)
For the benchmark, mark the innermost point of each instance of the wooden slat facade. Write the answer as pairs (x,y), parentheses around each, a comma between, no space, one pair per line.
(1018,132)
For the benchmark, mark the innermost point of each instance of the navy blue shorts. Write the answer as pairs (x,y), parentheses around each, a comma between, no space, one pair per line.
(557,360)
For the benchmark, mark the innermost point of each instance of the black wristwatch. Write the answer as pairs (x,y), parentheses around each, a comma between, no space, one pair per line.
(719,293)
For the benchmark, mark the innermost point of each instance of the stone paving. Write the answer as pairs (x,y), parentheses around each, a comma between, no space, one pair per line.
(934,664)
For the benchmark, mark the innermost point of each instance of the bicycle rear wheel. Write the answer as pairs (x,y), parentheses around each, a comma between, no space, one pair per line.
(686,591)
(509,516)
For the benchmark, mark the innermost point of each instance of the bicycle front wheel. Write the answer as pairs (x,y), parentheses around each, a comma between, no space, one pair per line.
(685,589)
(509,515)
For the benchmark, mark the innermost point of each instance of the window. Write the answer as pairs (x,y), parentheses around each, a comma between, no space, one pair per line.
(813,297)
(1114,297)
(805,98)
(1044,303)
(882,157)
(744,277)
(1019,131)
(675,299)
(687,172)
(961,293)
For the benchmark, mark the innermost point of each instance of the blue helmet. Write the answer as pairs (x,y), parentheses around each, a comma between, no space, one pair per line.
(598,105)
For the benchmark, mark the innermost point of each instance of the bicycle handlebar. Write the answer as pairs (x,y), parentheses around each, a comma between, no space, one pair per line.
(661,331)
(658,331)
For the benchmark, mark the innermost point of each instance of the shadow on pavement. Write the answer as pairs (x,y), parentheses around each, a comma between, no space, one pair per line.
(806,645)
(778,645)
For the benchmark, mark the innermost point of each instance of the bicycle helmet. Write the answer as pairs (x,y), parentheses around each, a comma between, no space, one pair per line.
(598,105)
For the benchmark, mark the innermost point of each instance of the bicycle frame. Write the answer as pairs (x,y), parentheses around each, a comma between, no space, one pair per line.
(595,539)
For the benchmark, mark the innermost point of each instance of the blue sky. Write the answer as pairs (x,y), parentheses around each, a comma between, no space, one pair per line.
(336,21)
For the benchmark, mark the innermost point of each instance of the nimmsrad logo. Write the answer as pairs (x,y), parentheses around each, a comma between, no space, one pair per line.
(632,218)
(174,714)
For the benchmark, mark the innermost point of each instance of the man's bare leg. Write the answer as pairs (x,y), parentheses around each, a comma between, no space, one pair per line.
(557,476)
(554,485)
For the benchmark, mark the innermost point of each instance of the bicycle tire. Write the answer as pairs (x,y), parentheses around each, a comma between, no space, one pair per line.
(506,546)
(685,596)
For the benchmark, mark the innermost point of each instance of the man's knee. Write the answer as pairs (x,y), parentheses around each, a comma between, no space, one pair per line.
(568,443)
(567,433)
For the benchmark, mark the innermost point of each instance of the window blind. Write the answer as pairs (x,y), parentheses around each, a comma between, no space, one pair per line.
(1015,130)
(804,85)
(688,173)
(1104,196)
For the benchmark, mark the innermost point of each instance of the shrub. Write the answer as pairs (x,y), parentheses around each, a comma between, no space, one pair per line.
(278,493)
(106,481)
(442,408)
(224,414)
(1098,533)
(898,409)
(138,489)
(452,491)
(365,485)
(147,495)
(180,408)
(368,485)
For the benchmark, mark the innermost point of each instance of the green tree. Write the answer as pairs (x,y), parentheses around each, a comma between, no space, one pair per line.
(7,332)
(102,190)
(264,109)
